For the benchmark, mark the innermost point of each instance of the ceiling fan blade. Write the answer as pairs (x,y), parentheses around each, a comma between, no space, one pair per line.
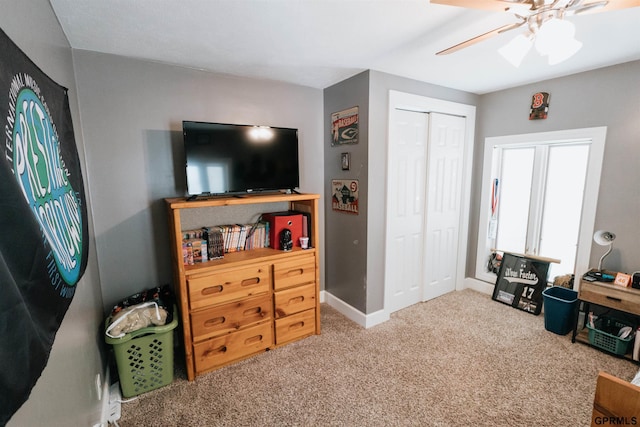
(495,5)
(590,7)
(596,6)
(502,5)
(480,38)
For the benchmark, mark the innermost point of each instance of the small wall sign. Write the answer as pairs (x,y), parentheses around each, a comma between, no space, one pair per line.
(520,282)
(344,195)
(345,161)
(539,106)
(344,127)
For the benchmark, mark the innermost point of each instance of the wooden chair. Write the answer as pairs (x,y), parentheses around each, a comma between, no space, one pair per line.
(616,402)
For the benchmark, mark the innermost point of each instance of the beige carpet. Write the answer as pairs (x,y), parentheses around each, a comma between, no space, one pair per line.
(459,360)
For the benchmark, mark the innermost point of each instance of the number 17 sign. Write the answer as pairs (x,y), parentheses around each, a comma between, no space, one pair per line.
(520,282)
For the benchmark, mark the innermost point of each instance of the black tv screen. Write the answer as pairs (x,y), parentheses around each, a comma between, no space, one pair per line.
(228,158)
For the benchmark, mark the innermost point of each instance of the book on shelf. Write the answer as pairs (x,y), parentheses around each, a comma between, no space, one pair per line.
(196,251)
(212,242)
(187,251)
(215,244)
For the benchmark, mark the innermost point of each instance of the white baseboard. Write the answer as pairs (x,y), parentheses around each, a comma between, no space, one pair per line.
(104,414)
(353,314)
(478,285)
(381,316)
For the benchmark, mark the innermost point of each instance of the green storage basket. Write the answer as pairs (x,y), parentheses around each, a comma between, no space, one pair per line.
(605,340)
(144,358)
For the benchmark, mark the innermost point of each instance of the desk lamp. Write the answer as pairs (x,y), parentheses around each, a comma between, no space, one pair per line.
(604,238)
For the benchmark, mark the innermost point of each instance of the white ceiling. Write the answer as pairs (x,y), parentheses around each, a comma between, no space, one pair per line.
(320,42)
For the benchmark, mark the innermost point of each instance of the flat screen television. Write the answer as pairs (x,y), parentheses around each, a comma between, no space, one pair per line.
(232,159)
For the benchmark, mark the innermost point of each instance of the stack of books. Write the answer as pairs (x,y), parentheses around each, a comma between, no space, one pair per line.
(195,246)
(208,243)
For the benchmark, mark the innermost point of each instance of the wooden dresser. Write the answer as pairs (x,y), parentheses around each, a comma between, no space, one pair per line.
(249,301)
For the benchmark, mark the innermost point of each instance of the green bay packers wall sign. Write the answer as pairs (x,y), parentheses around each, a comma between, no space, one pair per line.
(44,234)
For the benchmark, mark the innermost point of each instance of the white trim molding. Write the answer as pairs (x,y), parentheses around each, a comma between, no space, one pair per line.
(353,314)
(478,285)
(596,137)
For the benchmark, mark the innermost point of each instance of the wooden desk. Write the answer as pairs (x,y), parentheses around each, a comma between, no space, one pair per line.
(623,299)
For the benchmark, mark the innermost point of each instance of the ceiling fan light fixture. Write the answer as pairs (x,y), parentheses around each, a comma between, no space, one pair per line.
(564,51)
(552,34)
(515,51)
(555,39)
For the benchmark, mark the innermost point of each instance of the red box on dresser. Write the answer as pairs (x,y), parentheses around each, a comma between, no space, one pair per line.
(278,221)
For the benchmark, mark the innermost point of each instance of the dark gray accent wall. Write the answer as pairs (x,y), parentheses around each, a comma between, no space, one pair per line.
(605,97)
(65,394)
(346,236)
(132,113)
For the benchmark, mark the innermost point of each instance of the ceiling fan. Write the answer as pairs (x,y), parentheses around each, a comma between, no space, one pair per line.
(533,14)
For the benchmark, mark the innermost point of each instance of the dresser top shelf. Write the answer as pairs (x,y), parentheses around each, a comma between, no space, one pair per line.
(244,199)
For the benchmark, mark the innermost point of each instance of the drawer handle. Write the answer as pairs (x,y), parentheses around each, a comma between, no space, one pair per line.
(253,340)
(614,299)
(296,300)
(251,311)
(213,352)
(212,290)
(296,272)
(250,282)
(297,325)
(214,322)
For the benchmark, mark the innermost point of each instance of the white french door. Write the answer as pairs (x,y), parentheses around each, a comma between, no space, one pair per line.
(539,194)
(540,204)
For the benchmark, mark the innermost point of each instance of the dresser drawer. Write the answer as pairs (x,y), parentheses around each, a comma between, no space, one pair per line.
(228,285)
(227,348)
(295,326)
(294,271)
(229,317)
(612,296)
(295,300)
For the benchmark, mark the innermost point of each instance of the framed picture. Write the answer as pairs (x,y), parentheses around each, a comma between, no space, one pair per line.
(520,282)
(346,161)
(345,195)
(344,127)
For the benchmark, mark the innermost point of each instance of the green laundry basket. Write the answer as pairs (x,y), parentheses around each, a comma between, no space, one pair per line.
(144,358)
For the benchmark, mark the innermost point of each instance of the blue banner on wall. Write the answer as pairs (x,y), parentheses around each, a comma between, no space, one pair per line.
(43,221)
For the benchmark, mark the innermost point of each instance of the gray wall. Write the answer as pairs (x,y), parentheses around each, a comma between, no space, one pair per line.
(604,97)
(355,244)
(132,115)
(65,394)
(346,234)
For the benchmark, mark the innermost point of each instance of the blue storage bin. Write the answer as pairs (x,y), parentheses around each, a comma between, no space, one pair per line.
(559,309)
